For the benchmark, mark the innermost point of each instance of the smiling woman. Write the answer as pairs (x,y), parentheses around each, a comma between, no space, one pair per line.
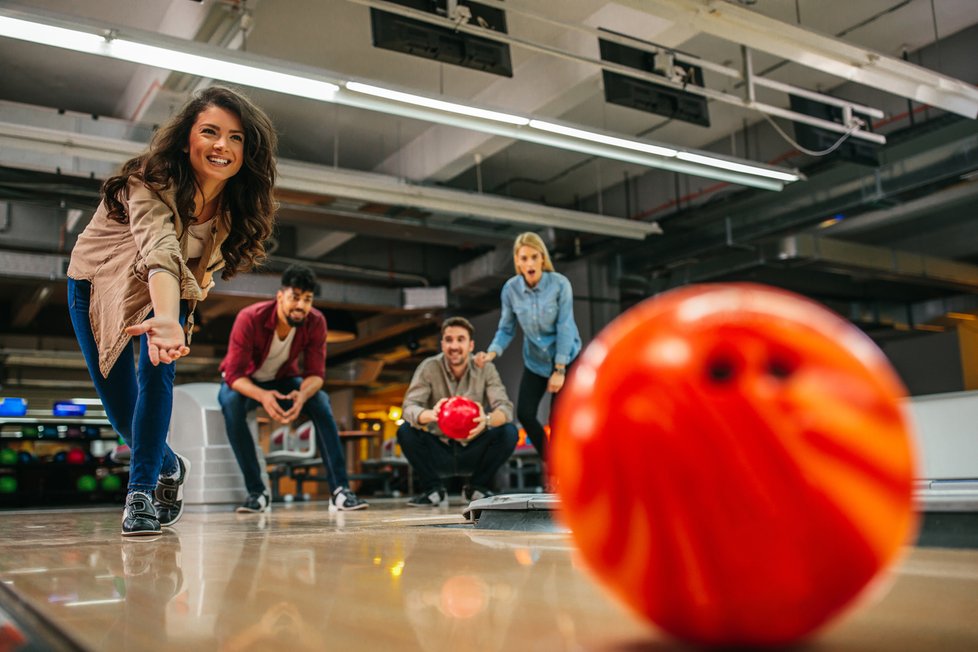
(197,203)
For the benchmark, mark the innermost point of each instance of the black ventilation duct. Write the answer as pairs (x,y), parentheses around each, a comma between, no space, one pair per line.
(648,96)
(816,139)
(410,36)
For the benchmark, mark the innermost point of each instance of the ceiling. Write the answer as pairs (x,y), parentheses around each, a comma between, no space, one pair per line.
(369,248)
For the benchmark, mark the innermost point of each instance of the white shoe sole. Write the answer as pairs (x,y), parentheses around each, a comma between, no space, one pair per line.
(334,508)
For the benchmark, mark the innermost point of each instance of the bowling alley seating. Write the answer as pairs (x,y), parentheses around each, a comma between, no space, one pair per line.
(287,444)
(392,469)
(291,454)
(524,468)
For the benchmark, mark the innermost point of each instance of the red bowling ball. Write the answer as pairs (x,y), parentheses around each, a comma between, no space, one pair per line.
(457,415)
(75,456)
(734,463)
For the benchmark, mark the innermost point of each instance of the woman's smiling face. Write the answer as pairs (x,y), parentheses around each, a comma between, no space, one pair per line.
(216,147)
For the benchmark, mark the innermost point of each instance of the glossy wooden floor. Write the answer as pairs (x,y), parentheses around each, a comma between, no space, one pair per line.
(389,578)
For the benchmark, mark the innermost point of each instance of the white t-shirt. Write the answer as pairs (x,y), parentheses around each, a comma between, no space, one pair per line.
(278,353)
(200,235)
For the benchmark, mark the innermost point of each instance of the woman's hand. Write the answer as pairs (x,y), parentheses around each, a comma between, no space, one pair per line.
(555,383)
(481,358)
(165,340)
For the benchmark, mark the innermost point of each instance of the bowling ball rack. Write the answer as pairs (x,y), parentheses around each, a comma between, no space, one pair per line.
(49,461)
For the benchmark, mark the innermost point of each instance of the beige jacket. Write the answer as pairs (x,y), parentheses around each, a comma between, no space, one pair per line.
(116,259)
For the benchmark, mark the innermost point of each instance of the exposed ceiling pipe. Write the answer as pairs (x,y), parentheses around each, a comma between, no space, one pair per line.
(364,272)
(963,193)
(936,158)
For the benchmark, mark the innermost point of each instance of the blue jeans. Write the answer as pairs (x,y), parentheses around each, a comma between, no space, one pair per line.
(137,404)
(236,407)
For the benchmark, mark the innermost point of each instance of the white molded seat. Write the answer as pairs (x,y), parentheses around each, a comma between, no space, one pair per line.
(292,445)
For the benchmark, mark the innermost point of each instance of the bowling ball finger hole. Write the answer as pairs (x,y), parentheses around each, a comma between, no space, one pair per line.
(781,368)
(721,370)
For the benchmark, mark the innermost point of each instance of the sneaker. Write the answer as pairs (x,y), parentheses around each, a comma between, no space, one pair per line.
(344,500)
(433,498)
(471,493)
(139,517)
(168,497)
(256,503)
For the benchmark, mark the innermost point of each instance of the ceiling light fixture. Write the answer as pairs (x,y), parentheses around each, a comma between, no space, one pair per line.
(205,60)
(224,70)
(734,166)
(432,103)
(614,141)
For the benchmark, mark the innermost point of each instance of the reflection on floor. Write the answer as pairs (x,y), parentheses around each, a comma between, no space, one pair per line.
(301,579)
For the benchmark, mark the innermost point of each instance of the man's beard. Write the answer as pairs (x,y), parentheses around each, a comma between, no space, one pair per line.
(293,322)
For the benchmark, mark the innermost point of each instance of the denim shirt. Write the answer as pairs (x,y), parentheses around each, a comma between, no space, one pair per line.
(546,315)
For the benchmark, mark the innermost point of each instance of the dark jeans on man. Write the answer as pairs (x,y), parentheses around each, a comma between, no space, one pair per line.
(137,402)
(236,407)
(431,458)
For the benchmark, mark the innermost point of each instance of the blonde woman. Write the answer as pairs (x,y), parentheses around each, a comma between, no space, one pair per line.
(542,301)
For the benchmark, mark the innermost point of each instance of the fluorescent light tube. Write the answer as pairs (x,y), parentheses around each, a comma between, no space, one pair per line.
(194,64)
(167,58)
(603,138)
(441,105)
(58,37)
(736,167)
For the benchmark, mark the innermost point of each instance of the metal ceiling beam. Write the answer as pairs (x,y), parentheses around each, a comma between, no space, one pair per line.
(390,190)
(318,179)
(730,22)
(882,262)
(817,253)
(937,156)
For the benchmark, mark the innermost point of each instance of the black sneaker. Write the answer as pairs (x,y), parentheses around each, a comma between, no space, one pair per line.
(139,517)
(471,493)
(168,497)
(255,504)
(344,500)
(433,498)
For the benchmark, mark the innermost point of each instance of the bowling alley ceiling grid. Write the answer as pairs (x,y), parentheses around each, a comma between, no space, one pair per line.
(390,209)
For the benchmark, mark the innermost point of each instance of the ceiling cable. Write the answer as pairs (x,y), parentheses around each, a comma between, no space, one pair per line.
(852,127)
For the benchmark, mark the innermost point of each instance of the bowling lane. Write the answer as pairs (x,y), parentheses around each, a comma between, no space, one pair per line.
(390,577)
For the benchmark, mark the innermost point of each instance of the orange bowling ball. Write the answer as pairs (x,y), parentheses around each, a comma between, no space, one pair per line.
(734,463)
